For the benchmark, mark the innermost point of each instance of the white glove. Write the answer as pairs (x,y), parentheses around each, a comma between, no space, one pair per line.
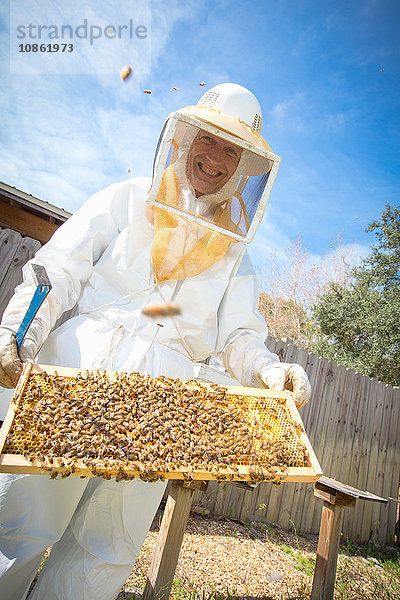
(288,376)
(11,362)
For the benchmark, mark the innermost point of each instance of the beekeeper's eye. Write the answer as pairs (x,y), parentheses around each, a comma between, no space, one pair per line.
(207,139)
(233,152)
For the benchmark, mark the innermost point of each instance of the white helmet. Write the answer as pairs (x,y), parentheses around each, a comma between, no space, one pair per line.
(234,100)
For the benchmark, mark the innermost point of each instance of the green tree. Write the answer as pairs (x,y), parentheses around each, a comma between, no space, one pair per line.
(359,324)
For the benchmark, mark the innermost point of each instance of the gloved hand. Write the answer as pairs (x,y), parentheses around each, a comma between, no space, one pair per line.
(10,362)
(288,376)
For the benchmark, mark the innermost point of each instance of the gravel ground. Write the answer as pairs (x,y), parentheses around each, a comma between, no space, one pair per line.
(221,556)
(222,559)
(225,559)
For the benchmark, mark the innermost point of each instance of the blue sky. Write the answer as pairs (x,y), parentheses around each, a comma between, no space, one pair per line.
(326,74)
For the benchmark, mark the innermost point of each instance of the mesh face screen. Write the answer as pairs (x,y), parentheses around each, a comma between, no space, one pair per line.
(152,426)
(216,180)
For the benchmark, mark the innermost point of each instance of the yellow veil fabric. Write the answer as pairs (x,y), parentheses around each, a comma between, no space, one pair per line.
(182,248)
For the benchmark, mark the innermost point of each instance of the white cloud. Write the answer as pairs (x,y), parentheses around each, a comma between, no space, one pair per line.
(130,138)
(289,114)
(67,136)
(270,239)
(57,188)
(101,34)
(300,114)
(335,122)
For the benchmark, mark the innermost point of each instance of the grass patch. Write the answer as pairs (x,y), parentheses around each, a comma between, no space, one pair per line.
(307,565)
(301,562)
(387,557)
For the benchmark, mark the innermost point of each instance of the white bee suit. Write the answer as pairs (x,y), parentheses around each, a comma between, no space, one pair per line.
(100,260)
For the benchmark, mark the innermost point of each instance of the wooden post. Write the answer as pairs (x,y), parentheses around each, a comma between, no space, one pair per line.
(336,497)
(173,525)
(327,552)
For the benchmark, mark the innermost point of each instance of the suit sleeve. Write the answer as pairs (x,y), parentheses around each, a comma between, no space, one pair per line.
(242,331)
(68,258)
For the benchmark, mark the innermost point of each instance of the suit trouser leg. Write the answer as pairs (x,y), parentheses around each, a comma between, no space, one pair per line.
(34,513)
(97,552)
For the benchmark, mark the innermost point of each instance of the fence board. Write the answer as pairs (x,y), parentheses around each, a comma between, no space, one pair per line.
(347,465)
(365,442)
(324,428)
(291,493)
(334,423)
(348,470)
(372,479)
(266,501)
(368,443)
(309,503)
(339,439)
(234,508)
(381,465)
(15,251)
(207,499)
(9,241)
(222,492)
(247,505)
(313,369)
(388,518)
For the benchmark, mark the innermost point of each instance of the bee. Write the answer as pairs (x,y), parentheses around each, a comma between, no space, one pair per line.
(298,426)
(125,72)
(161,310)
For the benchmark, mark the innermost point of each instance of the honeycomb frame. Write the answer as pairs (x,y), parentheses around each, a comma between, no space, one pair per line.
(265,405)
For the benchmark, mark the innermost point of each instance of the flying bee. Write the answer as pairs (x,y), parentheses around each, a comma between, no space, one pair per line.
(125,72)
(161,310)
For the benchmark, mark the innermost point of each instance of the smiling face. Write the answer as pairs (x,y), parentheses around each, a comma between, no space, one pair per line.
(211,163)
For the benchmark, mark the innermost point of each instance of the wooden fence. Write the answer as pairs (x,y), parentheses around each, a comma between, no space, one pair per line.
(353,423)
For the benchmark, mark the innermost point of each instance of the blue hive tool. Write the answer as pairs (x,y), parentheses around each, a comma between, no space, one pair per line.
(43,287)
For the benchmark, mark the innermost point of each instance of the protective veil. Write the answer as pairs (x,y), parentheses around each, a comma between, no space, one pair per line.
(209,190)
(114,257)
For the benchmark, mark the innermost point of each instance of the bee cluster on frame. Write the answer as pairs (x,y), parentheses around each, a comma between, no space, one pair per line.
(134,425)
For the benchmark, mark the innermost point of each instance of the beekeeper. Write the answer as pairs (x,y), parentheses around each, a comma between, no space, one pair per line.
(128,248)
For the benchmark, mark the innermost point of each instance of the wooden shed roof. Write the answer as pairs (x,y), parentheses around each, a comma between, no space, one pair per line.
(28,215)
